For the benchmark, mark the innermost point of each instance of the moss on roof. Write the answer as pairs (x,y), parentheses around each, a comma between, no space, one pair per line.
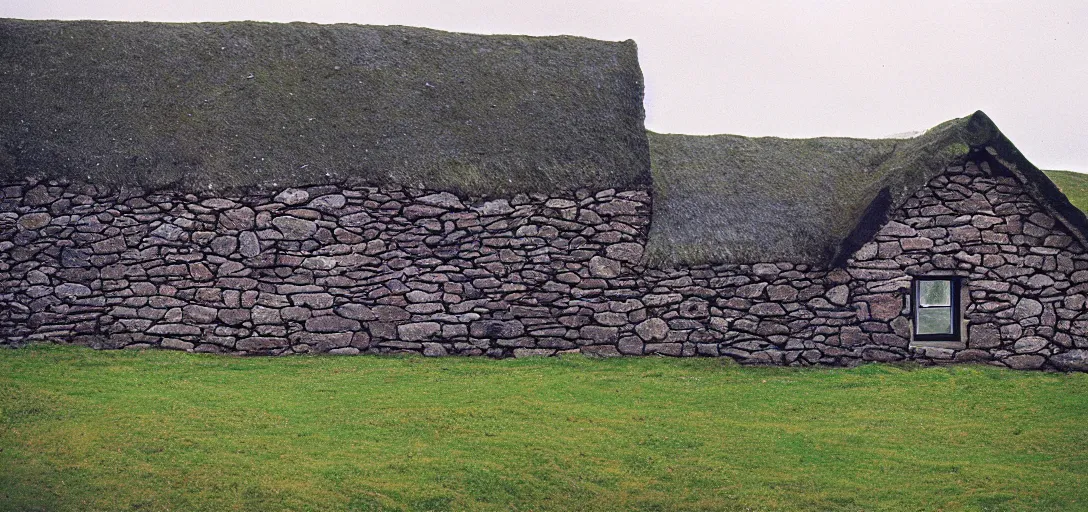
(732,199)
(225,105)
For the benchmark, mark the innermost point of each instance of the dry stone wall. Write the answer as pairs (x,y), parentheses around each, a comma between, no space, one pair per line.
(319,269)
(352,269)
(1025,280)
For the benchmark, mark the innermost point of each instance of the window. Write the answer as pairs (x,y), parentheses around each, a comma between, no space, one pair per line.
(936,303)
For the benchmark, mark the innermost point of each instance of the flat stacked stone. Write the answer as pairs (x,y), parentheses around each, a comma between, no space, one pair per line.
(377,270)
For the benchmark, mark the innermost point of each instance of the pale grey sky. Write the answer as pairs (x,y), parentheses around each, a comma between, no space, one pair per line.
(792,69)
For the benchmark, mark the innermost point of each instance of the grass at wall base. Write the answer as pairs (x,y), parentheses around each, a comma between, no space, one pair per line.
(158,430)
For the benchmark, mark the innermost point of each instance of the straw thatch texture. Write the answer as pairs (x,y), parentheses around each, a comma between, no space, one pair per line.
(223,105)
(732,199)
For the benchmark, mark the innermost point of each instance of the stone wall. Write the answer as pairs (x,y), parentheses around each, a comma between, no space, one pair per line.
(349,270)
(321,269)
(1025,281)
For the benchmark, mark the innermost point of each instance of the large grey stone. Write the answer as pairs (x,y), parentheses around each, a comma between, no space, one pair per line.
(765,270)
(435,350)
(176,344)
(983,336)
(390,314)
(767,309)
(1073,360)
(610,318)
(652,329)
(1027,308)
(891,340)
(248,244)
(218,203)
(662,299)
(418,331)
(1042,219)
(495,207)
(71,290)
(344,351)
(34,220)
(897,229)
(916,243)
(293,196)
(885,306)
(560,204)
(319,263)
(332,323)
(618,207)
(600,351)
(751,291)
(1040,281)
(323,342)
(665,349)
(110,245)
(74,258)
(199,314)
(422,296)
(533,352)
(174,330)
(239,219)
(442,200)
(167,232)
(261,343)
(597,335)
(853,336)
(973,356)
(964,234)
(37,196)
(420,211)
(266,316)
(355,220)
(318,300)
(629,252)
(630,346)
(294,228)
(604,267)
(496,329)
(1029,344)
(694,308)
(233,316)
(1024,361)
(780,293)
(328,202)
(357,312)
(838,295)
(879,355)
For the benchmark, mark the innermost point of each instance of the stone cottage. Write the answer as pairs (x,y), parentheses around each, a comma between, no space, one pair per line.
(259,188)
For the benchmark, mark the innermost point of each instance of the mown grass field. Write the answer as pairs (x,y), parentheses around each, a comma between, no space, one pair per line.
(158,430)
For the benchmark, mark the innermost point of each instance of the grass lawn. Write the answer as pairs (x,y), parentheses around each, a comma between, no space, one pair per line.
(1073,184)
(158,430)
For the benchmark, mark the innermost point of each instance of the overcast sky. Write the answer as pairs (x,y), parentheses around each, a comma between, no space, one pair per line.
(792,69)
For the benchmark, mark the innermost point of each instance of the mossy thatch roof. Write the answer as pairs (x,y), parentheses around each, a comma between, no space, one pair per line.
(224,105)
(732,199)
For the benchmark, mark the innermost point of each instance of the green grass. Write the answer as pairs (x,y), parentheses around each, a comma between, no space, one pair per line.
(157,430)
(1073,184)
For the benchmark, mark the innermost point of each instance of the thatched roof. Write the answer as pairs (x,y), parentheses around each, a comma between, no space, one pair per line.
(239,104)
(731,199)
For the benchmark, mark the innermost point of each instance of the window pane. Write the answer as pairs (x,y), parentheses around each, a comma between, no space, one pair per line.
(934,293)
(934,321)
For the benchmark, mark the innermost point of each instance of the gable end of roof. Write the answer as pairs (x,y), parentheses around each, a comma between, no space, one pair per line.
(731,199)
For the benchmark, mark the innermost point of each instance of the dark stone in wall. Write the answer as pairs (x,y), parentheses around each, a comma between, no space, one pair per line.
(383,270)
